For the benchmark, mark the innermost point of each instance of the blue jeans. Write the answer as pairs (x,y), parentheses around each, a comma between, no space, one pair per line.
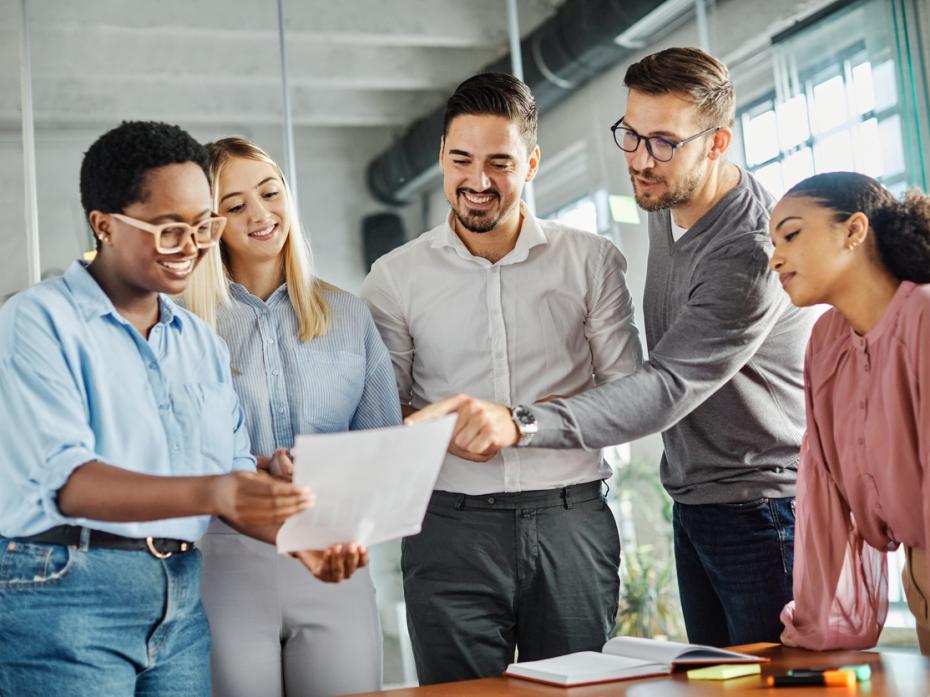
(734,565)
(77,622)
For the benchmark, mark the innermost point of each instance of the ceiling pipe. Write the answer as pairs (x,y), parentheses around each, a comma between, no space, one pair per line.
(516,67)
(566,51)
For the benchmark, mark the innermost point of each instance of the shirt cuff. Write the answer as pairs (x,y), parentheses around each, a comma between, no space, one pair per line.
(55,474)
(552,431)
(244,464)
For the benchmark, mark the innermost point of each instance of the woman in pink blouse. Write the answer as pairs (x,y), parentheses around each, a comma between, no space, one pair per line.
(864,482)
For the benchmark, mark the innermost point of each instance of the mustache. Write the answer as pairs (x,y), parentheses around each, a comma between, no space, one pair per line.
(647,174)
(486,192)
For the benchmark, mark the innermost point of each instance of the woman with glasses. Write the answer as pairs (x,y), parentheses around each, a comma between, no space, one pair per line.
(306,358)
(122,435)
(864,480)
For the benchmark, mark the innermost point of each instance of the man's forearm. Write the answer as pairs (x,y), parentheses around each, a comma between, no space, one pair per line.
(619,411)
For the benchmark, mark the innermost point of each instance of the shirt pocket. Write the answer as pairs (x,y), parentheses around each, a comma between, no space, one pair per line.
(329,391)
(206,412)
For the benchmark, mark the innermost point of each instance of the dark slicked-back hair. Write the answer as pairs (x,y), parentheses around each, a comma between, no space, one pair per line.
(495,94)
(114,167)
(901,228)
(691,73)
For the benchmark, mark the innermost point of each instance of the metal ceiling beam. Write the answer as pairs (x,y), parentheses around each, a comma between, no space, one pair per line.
(371,22)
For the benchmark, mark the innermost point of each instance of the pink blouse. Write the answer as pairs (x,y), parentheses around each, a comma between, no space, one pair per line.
(864,478)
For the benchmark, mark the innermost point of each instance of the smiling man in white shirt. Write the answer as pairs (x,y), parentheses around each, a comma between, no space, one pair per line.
(518,548)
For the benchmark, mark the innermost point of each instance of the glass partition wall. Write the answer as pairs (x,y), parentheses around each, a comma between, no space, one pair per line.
(15,239)
(843,99)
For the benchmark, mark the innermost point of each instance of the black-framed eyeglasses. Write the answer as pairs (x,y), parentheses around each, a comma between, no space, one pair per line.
(659,148)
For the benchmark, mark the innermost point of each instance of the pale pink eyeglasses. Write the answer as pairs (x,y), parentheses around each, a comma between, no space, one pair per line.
(172,237)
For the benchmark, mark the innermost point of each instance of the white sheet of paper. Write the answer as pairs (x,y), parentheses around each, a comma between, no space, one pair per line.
(370,486)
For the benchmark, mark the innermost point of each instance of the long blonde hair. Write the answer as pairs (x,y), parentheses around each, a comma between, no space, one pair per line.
(208,286)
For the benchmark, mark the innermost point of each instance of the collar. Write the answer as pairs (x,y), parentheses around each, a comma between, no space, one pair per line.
(241,293)
(93,302)
(889,317)
(531,235)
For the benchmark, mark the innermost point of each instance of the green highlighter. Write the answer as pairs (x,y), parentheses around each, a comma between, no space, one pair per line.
(724,671)
(863,671)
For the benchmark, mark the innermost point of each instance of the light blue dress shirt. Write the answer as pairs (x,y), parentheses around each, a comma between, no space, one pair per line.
(340,381)
(80,383)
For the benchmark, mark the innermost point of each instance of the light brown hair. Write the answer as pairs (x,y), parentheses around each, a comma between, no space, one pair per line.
(692,73)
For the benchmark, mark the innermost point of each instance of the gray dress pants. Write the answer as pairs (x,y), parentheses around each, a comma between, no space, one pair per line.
(535,571)
(279,631)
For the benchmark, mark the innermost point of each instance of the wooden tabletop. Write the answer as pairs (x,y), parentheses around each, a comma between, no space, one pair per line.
(893,674)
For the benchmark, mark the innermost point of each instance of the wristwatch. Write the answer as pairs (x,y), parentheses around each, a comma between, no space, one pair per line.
(526,424)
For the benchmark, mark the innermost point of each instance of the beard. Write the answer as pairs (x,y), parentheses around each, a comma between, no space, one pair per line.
(471,219)
(677,194)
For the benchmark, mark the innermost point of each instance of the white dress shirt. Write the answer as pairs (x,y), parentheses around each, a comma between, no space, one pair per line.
(552,317)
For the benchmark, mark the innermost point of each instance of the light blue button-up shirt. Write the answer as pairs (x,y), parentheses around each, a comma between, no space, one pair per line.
(340,381)
(80,383)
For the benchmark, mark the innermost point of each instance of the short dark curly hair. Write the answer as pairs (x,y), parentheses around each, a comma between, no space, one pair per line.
(114,167)
(901,228)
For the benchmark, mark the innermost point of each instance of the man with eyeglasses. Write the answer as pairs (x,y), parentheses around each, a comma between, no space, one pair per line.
(724,379)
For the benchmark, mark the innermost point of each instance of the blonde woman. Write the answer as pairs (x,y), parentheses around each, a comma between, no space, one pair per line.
(306,357)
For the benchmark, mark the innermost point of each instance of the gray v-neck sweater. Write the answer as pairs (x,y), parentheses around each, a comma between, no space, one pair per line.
(724,379)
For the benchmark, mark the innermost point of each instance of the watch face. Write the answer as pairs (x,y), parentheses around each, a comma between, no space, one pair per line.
(523,415)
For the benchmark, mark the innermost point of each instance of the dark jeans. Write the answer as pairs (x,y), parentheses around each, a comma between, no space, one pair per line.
(734,566)
(535,571)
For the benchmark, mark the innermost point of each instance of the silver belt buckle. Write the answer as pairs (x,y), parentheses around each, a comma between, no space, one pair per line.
(150,543)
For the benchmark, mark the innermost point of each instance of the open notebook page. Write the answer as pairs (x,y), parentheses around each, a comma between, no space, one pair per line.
(585,667)
(669,652)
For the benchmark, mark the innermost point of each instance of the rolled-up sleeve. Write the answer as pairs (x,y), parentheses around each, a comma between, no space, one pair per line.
(609,327)
(45,410)
(380,293)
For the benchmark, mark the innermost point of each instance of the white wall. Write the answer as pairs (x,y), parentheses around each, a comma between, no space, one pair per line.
(333,196)
(13,273)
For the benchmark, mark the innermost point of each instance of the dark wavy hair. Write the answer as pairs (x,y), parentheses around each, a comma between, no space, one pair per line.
(114,167)
(901,228)
(495,94)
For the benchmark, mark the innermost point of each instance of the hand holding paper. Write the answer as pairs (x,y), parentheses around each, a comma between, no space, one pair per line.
(335,564)
(370,486)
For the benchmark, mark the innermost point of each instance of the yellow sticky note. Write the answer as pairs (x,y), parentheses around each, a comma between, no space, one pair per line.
(725,671)
(623,209)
